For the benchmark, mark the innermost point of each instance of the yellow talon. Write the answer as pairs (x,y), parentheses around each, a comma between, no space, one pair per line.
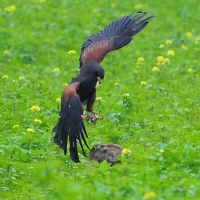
(98,117)
(84,117)
(92,118)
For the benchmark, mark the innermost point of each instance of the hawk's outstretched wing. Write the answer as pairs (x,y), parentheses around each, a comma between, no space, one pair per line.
(115,36)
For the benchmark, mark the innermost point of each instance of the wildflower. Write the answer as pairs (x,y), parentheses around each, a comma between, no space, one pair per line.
(38,121)
(190,70)
(143,83)
(117,84)
(166,60)
(21,77)
(56,69)
(35,108)
(170,53)
(58,99)
(155,69)
(138,6)
(5,76)
(140,59)
(168,41)
(149,195)
(183,47)
(161,46)
(126,95)
(30,129)
(189,34)
(98,98)
(16,125)
(161,60)
(126,151)
(66,84)
(10,8)
(72,52)
(161,150)
(6,52)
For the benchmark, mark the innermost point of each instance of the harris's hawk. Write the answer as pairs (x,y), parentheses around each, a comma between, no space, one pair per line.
(82,89)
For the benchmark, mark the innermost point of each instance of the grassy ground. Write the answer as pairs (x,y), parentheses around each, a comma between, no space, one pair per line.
(150,98)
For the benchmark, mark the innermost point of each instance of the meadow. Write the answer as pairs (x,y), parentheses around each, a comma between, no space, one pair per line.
(150,98)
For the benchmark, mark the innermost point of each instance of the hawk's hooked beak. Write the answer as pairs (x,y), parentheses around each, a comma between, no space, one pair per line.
(99,80)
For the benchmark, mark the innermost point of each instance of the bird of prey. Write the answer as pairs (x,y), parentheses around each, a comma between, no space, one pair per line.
(82,89)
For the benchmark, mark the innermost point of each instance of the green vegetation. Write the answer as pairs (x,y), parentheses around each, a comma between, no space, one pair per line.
(150,99)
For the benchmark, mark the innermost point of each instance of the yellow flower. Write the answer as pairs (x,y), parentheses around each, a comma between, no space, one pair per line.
(56,69)
(10,8)
(16,125)
(166,60)
(161,60)
(30,129)
(168,41)
(98,98)
(66,84)
(143,83)
(58,99)
(126,151)
(6,52)
(5,76)
(189,34)
(170,53)
(190,70)
(138,6)
(161,150)
(140,59)
(35,108)
(155,69)
(38,121)
(161,46)
(149,195)
(71,52)
(126,95)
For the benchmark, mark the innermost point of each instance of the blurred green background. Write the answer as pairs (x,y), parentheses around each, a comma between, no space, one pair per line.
(149,97)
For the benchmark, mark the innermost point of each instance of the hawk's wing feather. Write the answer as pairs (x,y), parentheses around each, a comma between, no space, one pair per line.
(114,36)
(70,125)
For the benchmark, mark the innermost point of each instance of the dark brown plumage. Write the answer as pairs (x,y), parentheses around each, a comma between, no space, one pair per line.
(82,89)
(108,152)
